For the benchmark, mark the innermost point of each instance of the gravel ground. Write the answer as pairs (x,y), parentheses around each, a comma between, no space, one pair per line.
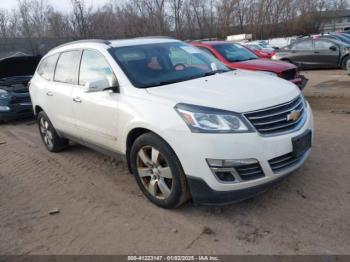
(103,212)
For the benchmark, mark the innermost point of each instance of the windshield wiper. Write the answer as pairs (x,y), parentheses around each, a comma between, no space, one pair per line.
(168,82)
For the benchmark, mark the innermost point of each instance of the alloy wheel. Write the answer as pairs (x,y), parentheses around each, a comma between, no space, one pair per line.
(154,171)
(46,132)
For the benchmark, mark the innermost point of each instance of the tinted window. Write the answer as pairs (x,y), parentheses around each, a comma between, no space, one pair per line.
(235,52)
(66,67)
(321,45)
(179,56)
(164,63)
(47,67)
(93,67)
(305,45)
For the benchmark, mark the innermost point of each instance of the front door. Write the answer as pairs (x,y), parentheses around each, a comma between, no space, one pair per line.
(327,53)
(96,113)
(301,53)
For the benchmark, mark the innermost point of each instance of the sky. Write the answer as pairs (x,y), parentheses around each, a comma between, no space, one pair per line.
(60,5)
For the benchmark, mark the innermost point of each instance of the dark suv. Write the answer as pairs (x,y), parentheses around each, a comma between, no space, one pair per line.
(315,53)
(15,73)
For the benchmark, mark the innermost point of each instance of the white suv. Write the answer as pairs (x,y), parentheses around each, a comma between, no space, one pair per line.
(188,126)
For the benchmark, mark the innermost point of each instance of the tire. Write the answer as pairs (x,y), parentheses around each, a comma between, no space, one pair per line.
(344,62)
(158,172)
(49,136)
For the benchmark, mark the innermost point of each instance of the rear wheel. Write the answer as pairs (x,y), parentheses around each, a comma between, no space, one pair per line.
(344,62)
(158,171)
(52,141)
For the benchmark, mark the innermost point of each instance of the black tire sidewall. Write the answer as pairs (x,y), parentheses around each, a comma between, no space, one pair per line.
(178,186)
(57,143)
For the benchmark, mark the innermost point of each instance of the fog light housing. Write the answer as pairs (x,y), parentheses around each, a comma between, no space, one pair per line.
(235,170)
(4,108)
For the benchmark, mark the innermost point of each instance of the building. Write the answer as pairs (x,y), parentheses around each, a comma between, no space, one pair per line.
(336,21)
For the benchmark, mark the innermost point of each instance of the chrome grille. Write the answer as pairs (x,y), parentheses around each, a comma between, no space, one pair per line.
(283,162)
(275,120)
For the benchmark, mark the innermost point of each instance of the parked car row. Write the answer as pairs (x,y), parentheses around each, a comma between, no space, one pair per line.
(237,56)
(189,125)
(315,52)
(329,50)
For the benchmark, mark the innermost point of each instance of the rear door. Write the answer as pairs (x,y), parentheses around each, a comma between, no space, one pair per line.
(328,53)
(302,53)
(96,113)
(59,92)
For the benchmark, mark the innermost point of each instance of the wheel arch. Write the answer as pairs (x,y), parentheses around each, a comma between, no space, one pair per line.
(345,58)
(37,110)
(131,137)
(135,133)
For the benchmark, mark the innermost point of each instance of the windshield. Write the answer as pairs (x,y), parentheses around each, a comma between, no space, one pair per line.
(235,52)
(165,63)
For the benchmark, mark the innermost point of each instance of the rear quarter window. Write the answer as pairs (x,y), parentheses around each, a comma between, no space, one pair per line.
(47,67)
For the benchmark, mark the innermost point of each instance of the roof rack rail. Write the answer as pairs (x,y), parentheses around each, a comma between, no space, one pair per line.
(157,36)
(98,41)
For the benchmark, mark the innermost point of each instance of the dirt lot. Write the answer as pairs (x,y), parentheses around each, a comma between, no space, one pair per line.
(103,212)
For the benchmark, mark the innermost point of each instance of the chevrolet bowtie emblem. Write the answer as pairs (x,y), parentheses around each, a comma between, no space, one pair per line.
(293,116)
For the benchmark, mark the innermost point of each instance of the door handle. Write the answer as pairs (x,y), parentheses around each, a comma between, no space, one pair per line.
(316,52)
(77,100)
(49,93)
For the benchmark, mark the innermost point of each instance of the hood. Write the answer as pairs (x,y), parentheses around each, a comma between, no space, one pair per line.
(238,91)
(263,65)
(18,66)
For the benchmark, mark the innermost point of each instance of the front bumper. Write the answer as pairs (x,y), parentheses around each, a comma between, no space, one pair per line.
(301,81)
(17,111)
(206,187)
(203,194)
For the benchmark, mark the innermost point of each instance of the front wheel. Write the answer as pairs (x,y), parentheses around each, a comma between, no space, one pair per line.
(48,134)
(158,171)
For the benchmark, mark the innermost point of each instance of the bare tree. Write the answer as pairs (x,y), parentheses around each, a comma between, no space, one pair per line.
(36,21)
(81,18)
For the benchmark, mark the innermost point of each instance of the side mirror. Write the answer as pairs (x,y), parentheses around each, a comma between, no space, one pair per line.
(100,84)
(333,48)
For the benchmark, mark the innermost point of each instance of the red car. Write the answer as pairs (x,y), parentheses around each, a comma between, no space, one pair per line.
(236,56)
(260,52)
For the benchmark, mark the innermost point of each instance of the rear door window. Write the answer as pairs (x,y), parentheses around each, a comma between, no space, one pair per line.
(304,45)
(47,67)
(67,65)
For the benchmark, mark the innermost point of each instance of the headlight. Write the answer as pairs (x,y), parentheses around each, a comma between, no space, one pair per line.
(4,94)
(267,73)
(209,120)
(274,57)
